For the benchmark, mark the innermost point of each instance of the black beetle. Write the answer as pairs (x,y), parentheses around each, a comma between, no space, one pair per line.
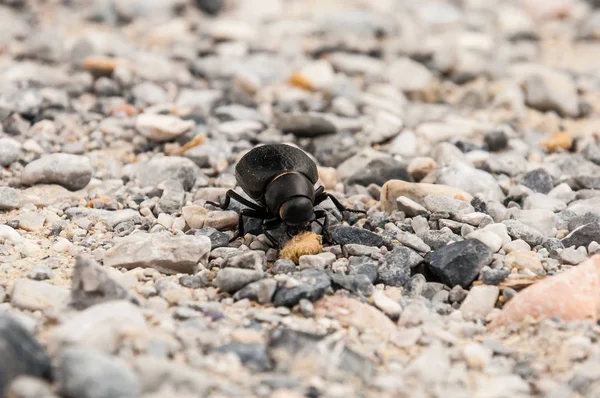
(281,179)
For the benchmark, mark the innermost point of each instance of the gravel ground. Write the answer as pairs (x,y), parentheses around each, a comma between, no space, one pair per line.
(467,130)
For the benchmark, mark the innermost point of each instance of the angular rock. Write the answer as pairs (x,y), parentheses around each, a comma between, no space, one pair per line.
(362,265)
(359,283)
(21,353)
(344,235)
(449,205)
(539,180)
(112,218)
(583,236)
(518,230)
(550,90)
(260,291)
(479,302)
(459,263)
(309,284)
(70,171)
(91,285)
(250,259)
(395,270)
(166,253)
(230,280)
(84,374)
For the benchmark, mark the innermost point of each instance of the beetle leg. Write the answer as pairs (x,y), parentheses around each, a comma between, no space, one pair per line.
(320,213)
(231,194)
(269,225)
(247,213)
(323,196)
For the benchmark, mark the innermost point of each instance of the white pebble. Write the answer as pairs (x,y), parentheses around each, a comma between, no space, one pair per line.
(8,233)
(476,355)
(62,245)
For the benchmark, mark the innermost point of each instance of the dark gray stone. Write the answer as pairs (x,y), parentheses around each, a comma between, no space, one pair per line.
(304,125)
(260,291)
(496,140)
(436,239)
(314,284)
(538,180)
(432,288)
(494,276)
(583,235)
(343,235)
(86,374)
(359,283)
(210,7)
(363,265)
(253,356)
(578,221)
(379,171)
(21,353)
(396,266)
(553,245)
(459,263)
(231,280)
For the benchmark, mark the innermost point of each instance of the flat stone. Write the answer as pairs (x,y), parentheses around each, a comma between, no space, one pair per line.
(221,220)
(492,240)
(445,204)
(82,373)
(31,221)
(410,207)
(70,171)
(161,127)
(417,192)
(459,263)
(362,265)
(344,235)
(249,259)
(261,291)
(101,327)
(35,295)
(230,280)
(309,284)
(304,125)
(379,171)
(358,283)
(479,302)
(167,253)
(573,256)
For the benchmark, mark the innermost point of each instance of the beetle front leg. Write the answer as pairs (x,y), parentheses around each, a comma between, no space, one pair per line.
(231,194)
(247,213)
(324,195)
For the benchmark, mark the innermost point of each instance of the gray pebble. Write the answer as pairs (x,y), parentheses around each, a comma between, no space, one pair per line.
(71,171)
(9,198)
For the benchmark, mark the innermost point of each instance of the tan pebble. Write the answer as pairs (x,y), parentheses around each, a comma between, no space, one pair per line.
(328,177)
(557,142)
(571,295)
(247,336)
(393,189)
(523,260)
(420,167)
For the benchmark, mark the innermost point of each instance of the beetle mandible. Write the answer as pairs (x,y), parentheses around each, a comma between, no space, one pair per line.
(281,180)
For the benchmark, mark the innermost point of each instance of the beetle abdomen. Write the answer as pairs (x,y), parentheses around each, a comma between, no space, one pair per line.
(261,164)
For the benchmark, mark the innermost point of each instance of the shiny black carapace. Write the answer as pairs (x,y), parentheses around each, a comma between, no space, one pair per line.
(281,180)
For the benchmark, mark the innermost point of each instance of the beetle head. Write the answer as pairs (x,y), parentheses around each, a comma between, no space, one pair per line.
(297,211)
